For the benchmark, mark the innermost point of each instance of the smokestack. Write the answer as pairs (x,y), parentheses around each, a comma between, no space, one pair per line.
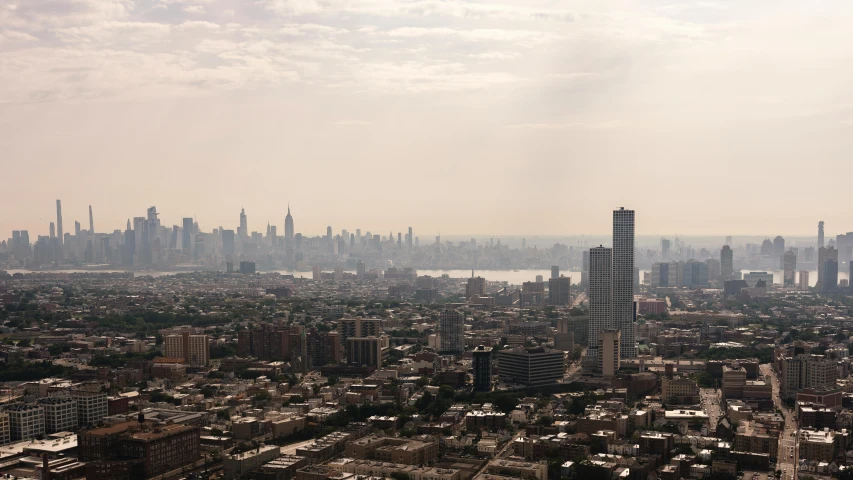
(45,467)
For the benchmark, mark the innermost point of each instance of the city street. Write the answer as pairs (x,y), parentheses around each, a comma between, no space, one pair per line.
(788,440)
(710,399)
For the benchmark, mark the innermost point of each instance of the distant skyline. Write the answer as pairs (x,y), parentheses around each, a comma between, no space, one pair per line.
(491,117)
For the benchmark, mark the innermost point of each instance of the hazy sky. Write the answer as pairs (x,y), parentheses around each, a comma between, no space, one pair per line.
(488,117)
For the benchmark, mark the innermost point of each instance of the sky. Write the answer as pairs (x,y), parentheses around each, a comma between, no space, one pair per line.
(514,117)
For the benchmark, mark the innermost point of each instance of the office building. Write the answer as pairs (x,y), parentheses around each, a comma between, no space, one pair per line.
(26,421)
(599,295)
(193,349)
(830,276)
(367,351)
(664,275)
(60,414)
(804,279)
(476,287)
(694,274)
(530,367)
(92,407)
(825,254)
(609,342)
(819,236)
(138,450)
(451,328)
(726,263)
(665,245)
(288,229)
(756,279)
(789,264)
(559,291)
(555,271)
(243,230)
(482,367)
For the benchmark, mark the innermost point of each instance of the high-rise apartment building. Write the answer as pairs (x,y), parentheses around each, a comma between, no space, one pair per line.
(600,259)
(451,329)
(482,368)
(367,351)
(359,327)
(559,291)
(804,279)
(806,371)
(609,347)
(59,221)
(623,309)
(726,263)
(193,349)
(789,264)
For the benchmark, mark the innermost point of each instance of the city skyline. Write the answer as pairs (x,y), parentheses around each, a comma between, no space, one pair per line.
(317,227)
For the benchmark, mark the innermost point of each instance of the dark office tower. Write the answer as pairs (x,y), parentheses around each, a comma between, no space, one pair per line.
(819,233)
(186,236)
(555,271)
(665,244)
(482,368)
(600,298)
(825,254)
(830,275)
(451,329)
(411,237)
(228,242)
(623,281)
(726,263)
(329,232)
(76,228)
(288,228)
(52,231)
(789,265)
(129,246)
(59,221)
(559,291)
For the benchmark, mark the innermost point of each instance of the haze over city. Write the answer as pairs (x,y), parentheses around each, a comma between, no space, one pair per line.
(469,118)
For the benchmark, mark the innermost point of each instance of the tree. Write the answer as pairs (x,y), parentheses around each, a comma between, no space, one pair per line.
(506,402)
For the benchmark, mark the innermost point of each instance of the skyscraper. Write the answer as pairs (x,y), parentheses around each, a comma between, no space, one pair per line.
(823,255)
(451,327)
(726,263)
(789,263)
(482,367)
(664,248)
(244,224)
(52,230)
(288,228)
(186,235)
(410,238)
(819,235)
(91,221)
(555,271)
(600,265)
(59,221)
(623,281)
